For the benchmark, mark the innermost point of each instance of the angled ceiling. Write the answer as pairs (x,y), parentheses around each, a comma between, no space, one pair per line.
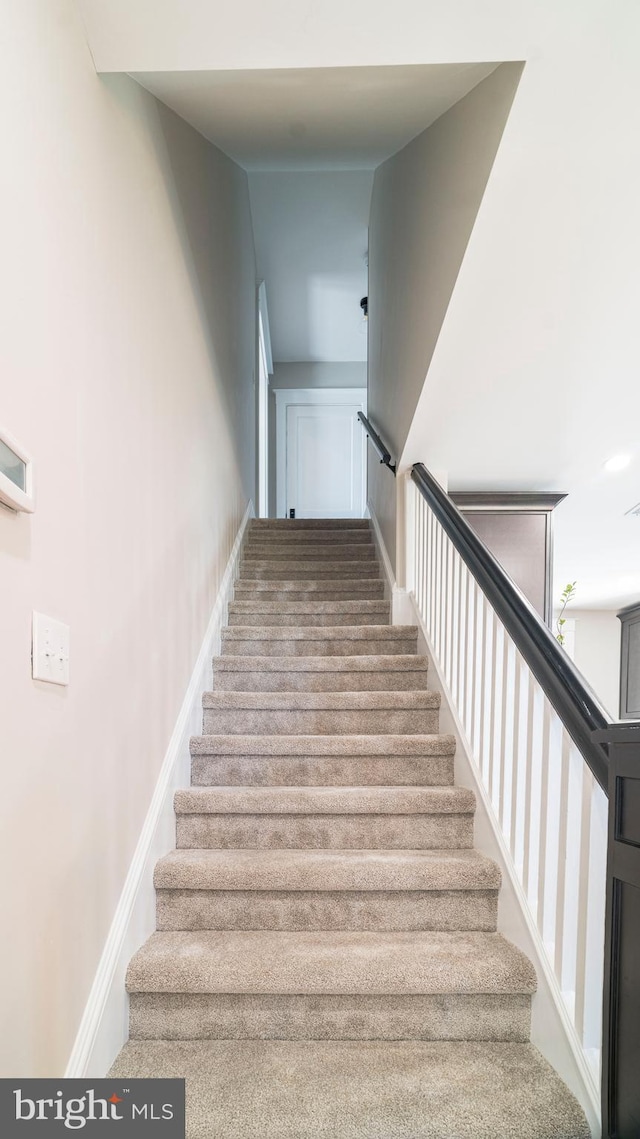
(310,140)
(314,119)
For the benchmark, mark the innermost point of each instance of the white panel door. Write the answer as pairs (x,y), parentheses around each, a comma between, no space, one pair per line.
(325,461)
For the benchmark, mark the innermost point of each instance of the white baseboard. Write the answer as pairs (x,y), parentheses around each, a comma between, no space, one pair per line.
(552,1030)
(104,1026)
(400,613)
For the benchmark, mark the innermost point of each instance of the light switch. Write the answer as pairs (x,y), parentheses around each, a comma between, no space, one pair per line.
(50,650)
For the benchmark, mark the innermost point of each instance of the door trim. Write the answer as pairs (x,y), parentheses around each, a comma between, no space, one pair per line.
(318,397)
(264,366)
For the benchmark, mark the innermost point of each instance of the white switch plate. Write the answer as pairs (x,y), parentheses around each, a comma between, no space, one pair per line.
(50,650)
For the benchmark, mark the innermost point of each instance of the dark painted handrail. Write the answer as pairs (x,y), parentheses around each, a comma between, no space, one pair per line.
(385,456)
(577,706)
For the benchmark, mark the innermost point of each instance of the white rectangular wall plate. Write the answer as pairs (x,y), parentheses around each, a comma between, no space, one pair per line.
(16,475)
(50,650)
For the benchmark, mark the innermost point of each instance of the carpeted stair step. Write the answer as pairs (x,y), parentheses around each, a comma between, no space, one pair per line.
(264,961)
(332,640)
(281,1089)
(275,569)
(320,966)
(309,612)
(320,674)
(319,870)
(330,760)
(298,539)
(323,713)
(295,525)
(338,590)
(329,818)
(251,1016)
(325,817)
(379,890)
(309,552)
(327,961)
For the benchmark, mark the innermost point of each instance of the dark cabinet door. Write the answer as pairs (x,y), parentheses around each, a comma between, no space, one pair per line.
(518,530)
(630,663)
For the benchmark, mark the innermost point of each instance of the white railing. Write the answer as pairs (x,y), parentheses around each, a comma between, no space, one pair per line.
(552,812)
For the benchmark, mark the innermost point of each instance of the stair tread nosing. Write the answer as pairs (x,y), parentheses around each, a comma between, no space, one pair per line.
(320,870)
(356,745)
(320,533)
(337,567)
(248,1089)
(402,662)
(313,571)
(371,592)
(312,551)
(307,585)
(357,546)
(278,608)
(420,700)
(231,961)
(365,800)
(293,524)
(321,633)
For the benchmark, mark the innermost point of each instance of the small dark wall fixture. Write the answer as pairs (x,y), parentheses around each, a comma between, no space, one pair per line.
(630,663)
(518,529)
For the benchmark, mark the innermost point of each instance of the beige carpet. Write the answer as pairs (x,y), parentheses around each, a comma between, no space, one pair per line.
(346,1090)
(327,962)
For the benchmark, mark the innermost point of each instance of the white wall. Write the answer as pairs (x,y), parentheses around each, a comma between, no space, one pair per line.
(533,383)
(596,652)
(128,344)
(311,243)
(141,35)
(424,203)
(314,374)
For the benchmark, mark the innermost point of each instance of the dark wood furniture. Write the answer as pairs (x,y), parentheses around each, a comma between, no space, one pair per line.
(630,663)
(621,1019)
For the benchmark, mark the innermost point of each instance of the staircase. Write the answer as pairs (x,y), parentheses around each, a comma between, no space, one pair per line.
(327,962)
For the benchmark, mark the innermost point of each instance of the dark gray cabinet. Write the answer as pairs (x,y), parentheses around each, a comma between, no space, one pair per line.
(518,529)
(630,663)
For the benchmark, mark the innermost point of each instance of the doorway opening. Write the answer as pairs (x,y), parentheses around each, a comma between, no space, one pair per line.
(321,453)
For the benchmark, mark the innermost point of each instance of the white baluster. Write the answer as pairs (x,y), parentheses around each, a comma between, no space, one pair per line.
(563,813)
(544,812)
(552,814)
(495,703)
(594,948)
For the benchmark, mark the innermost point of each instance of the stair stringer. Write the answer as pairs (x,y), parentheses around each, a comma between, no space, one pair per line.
(552,1030)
